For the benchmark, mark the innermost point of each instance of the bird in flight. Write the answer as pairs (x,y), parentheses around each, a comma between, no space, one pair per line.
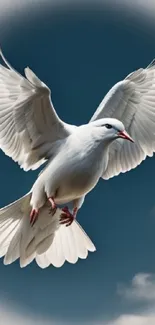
(119,136)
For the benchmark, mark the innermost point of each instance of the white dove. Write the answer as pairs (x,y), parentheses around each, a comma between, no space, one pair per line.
(31,133)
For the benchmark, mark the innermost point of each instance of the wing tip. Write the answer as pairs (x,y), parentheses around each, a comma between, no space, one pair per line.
(151,65)
(4,59)
(92,249)
(1,54)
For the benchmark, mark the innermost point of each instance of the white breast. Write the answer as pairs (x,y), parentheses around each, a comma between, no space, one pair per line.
(74,171)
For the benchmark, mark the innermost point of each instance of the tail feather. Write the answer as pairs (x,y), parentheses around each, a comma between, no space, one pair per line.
(27,260)
(69,244)
(5,241)
(13,251)
(43,246)
(6,234)
(42,261)
(47,241)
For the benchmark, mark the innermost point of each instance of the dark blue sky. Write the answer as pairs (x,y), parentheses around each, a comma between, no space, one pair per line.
(80,54)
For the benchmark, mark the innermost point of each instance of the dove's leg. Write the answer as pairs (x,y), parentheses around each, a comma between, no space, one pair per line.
(33,216)
(38,199)
(34,212)
(53,205)
(68,217)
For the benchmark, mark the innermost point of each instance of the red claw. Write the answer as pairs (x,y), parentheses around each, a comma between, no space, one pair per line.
(66,217)
(33,216)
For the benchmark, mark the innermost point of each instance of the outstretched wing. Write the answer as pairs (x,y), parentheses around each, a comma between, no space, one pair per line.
(29,124)
(132,101)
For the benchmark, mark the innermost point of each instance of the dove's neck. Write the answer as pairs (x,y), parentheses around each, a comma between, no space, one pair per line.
(94,138)
(93,143)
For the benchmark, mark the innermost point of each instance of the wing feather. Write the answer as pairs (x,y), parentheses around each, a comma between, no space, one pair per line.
(133,102)
(29,124)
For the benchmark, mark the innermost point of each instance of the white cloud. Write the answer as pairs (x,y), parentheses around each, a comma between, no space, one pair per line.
(9,314)
(133,320)
(142,288)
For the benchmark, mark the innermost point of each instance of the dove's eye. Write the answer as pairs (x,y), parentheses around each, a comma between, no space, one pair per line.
(108,126)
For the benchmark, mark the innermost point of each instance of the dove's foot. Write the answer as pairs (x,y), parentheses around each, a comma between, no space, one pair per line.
(53,208)
(67,217)
(33,216)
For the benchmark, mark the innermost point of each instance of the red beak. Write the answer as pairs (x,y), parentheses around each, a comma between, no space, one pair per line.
(125,135)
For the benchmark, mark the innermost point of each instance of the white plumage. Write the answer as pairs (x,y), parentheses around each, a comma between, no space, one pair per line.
(133,102)
(31,133)
(29,124)
(47,241)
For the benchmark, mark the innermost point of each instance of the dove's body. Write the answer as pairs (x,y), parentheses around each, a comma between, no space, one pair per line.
(31,133)
(75,170)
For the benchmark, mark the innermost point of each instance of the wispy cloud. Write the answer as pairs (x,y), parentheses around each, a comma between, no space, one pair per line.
(134,320)
(10,314)
(141,288)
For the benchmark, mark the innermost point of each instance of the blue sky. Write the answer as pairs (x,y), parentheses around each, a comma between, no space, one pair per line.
(81,54)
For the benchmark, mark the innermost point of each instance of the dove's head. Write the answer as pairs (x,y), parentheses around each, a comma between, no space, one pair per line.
(111,129)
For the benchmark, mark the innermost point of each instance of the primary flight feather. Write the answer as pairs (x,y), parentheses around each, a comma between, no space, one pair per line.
(32,133)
